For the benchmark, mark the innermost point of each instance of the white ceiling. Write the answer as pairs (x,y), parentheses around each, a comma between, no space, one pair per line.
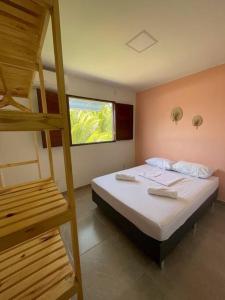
(190,35)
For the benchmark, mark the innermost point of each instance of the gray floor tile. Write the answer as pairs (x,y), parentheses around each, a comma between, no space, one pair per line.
(113,268)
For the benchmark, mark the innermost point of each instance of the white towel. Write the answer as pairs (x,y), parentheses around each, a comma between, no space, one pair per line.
(166,178)
(126,177)
(151,174)
(163,191)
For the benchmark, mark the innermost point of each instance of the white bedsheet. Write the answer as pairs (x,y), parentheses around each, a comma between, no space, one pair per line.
(158,217)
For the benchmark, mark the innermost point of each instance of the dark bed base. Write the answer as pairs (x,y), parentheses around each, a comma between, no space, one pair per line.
(155,249)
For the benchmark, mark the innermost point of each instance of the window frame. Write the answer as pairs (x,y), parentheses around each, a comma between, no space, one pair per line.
(92,99)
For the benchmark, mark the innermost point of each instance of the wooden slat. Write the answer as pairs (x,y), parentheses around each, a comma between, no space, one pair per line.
(14,28)
(45,110)
(18,121)
(23,26)
(22,48)
(11,205)
(33,246)
(36,192)
(17,64)
(50,287)
(30,205)
(44,3)
(29,209)
(21,163)
(16,80)
(31,230)
(20,264)
(17,13)
(56,32)
(29,6)
(23,194)
(24,215)
(26,186)
(56,291)
(40,268)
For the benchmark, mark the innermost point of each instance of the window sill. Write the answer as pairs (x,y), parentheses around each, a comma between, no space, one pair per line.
(95,143)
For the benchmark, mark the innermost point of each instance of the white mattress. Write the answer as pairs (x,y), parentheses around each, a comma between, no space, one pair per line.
(158,217)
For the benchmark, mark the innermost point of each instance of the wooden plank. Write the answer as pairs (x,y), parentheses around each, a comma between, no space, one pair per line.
(19,14)
(55,292)
(56,31)
(21,200)
(29,5)
(14,283)
(45,110)
(17,63)
(5,198)
(21,232)
(51,282)
(12,49)
(25,207)
(22,262)
(35,138)
(39,273)
(29,209)
(41,211)
(19,121)
(45,3)
(31,246)
(22,32)
(17,81)
(37,268)
(27,195)
(26,186)
(13,27)
(21,163)
(2,181)
(24,42)
(18,260)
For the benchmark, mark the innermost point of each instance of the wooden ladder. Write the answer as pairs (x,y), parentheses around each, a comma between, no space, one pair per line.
(33,260)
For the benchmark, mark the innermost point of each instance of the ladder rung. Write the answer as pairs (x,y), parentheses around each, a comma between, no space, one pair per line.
(20,121)
(16,164)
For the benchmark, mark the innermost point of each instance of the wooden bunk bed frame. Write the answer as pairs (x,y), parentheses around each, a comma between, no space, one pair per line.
(33,260)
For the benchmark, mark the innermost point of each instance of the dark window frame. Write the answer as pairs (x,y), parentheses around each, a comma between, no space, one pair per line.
(92,99)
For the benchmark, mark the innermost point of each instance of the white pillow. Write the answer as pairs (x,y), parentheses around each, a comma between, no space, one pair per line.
(193,169)
(161,163)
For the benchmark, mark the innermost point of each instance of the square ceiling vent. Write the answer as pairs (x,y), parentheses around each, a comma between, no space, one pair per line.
(142,41)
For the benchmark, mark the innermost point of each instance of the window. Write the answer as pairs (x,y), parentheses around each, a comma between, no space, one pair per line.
(91,121)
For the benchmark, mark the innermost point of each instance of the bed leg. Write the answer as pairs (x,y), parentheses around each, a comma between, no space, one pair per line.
(195,228)
(162,264)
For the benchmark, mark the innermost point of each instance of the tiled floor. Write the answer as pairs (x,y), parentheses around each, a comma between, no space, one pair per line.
(113,268)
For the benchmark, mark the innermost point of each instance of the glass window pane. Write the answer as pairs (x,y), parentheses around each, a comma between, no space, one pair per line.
(91,121)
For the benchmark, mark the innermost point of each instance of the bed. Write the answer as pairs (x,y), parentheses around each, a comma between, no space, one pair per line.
(156,223)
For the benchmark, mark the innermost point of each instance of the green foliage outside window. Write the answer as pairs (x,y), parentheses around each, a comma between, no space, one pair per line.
(91,122)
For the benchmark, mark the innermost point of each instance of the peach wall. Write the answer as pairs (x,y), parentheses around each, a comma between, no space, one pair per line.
(156,135)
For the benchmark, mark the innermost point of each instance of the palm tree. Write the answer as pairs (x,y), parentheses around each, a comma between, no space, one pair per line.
(91,126)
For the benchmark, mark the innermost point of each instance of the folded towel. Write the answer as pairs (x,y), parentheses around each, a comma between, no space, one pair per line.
(166,178)
(151,174)
(126,177)
(164,192)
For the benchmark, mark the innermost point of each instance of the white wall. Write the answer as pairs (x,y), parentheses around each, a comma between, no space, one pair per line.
(88,161)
